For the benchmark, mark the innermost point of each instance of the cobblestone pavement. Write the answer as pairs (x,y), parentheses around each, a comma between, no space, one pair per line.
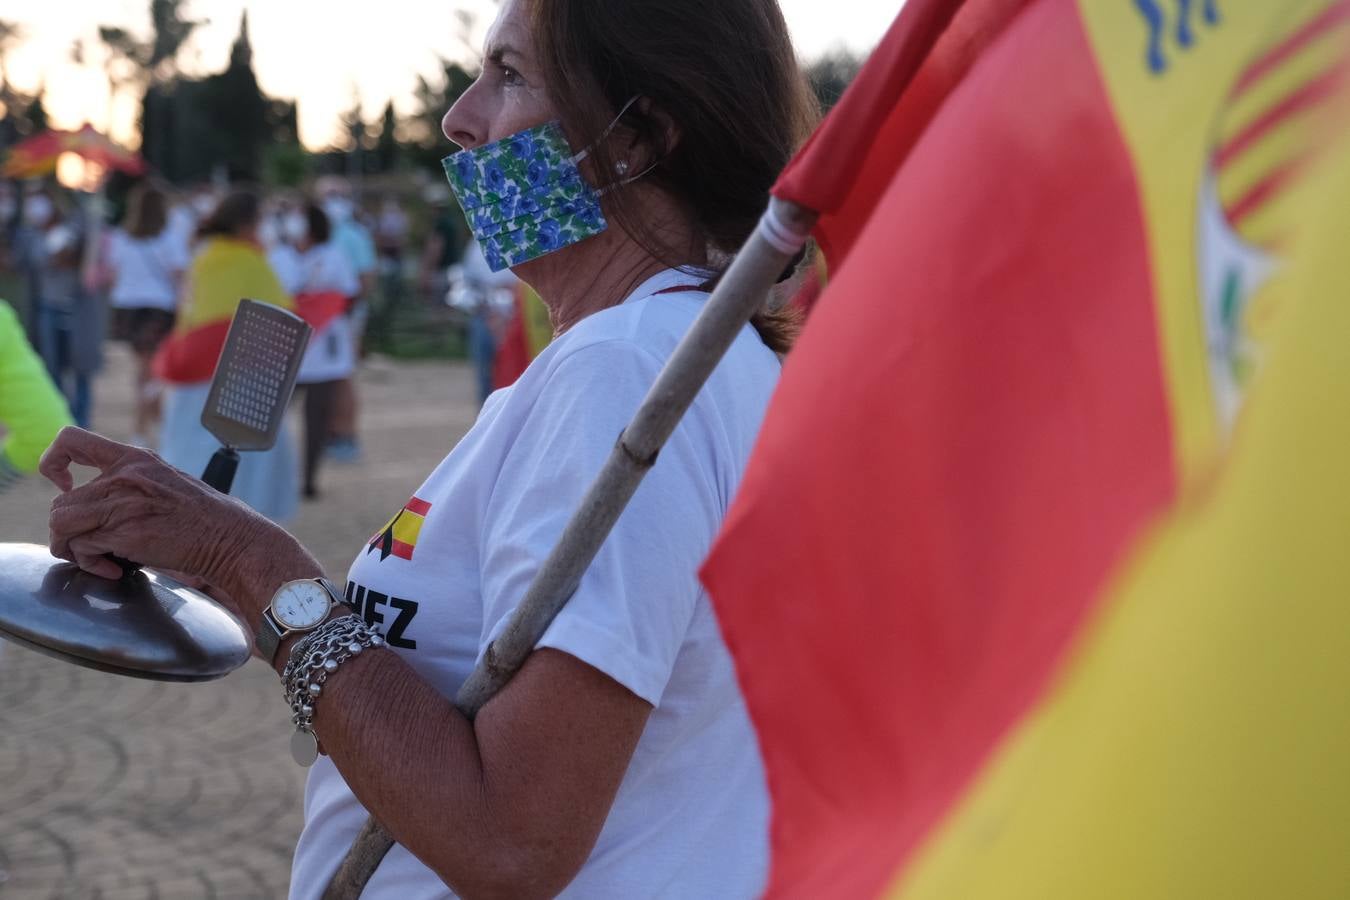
(113,788)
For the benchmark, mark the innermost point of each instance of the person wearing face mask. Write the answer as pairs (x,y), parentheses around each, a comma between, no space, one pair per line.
(35,212)
(227,266)
(619,762)
(488,298)
(391,240)
(70,314)
(323,283)
(147,260)
(355,242)
(283,253)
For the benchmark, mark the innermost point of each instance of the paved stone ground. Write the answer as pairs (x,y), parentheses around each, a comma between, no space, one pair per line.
(112,788)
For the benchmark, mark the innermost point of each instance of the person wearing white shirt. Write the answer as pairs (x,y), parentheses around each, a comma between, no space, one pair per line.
(283,253)
(356,243)
(488,298)
(318,266)
(147,259)
(620,762)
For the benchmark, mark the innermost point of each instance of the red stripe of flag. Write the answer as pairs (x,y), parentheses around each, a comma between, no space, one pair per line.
(887,107)
(401,549)
(972,429)
(1267,189)
(416,505)
(189,357)
(1307,95)
(320,308)
(1328,18)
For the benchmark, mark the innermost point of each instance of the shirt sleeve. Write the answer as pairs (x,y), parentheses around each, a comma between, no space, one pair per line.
(630,614)
(31,408)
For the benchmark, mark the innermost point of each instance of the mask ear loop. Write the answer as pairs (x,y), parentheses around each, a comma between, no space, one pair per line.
(604,134)
(578,157)
(618,184)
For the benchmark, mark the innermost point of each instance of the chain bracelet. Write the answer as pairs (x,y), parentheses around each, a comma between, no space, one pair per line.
(316,657)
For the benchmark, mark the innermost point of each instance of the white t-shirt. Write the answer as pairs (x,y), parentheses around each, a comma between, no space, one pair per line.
(145,270)
(331,354)
(440,580)
(285,262)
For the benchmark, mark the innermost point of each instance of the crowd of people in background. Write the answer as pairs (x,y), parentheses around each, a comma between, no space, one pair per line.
(164,274)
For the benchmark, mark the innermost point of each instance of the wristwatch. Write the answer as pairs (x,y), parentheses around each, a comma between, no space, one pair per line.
(296,607)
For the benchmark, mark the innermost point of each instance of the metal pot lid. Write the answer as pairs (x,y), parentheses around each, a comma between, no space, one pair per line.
(145,625)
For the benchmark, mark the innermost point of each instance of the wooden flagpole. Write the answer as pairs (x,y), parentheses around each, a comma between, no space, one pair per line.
(782,231)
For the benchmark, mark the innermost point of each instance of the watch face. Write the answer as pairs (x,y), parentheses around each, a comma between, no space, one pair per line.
(301,604)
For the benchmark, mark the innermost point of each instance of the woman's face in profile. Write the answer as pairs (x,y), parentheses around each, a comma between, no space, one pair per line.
(508,95)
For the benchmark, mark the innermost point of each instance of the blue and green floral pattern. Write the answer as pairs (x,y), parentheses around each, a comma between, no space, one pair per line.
(523,196)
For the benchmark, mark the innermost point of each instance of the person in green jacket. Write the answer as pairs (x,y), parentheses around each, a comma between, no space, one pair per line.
(32,410)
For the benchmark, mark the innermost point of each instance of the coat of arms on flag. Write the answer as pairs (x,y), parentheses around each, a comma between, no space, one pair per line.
(1275,120)
(398,536)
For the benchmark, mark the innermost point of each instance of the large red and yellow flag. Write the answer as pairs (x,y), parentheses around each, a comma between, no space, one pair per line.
(1035,583)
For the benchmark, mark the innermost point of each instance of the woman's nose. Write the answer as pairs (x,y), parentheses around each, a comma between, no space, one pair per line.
(464,123)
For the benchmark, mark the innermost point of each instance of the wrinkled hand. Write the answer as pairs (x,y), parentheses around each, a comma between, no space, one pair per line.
(140,508)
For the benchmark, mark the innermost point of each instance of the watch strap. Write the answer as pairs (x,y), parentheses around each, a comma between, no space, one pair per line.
(269,635)
(333,590)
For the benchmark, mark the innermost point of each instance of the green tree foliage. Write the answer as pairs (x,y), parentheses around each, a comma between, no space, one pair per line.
(386,145)
(285,165)
(425,144)
(25,115)
(10,35)
(150,66)
(171,33)
(153,61)
(15,103)
(236,114)
(36,113)
(196,128)
(831,74)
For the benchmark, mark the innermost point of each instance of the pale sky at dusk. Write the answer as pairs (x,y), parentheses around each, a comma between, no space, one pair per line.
(320,52)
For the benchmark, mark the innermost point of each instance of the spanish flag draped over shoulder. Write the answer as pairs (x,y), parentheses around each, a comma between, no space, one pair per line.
(223,272)
(1036,583)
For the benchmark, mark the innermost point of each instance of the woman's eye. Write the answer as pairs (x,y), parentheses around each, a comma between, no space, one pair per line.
(510,77)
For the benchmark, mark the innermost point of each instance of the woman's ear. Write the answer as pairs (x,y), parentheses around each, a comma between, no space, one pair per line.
(657,138)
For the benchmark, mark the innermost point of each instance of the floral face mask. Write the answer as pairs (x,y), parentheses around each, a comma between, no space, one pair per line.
(523,195)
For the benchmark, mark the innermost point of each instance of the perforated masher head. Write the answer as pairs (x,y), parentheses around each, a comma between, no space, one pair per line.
(255,376)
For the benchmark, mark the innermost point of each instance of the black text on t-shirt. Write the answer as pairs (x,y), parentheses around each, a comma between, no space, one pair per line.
(391,615)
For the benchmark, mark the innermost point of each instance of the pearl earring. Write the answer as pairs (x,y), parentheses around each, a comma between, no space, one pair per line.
(621,167)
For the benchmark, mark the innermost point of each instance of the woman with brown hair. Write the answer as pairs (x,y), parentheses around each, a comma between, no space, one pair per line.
(147,260)
(228,264)
(616,154)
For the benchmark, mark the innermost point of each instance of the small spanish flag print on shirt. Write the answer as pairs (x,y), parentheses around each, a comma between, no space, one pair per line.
(398,536)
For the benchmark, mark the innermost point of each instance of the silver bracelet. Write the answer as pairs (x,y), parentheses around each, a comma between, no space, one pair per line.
(311,661)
